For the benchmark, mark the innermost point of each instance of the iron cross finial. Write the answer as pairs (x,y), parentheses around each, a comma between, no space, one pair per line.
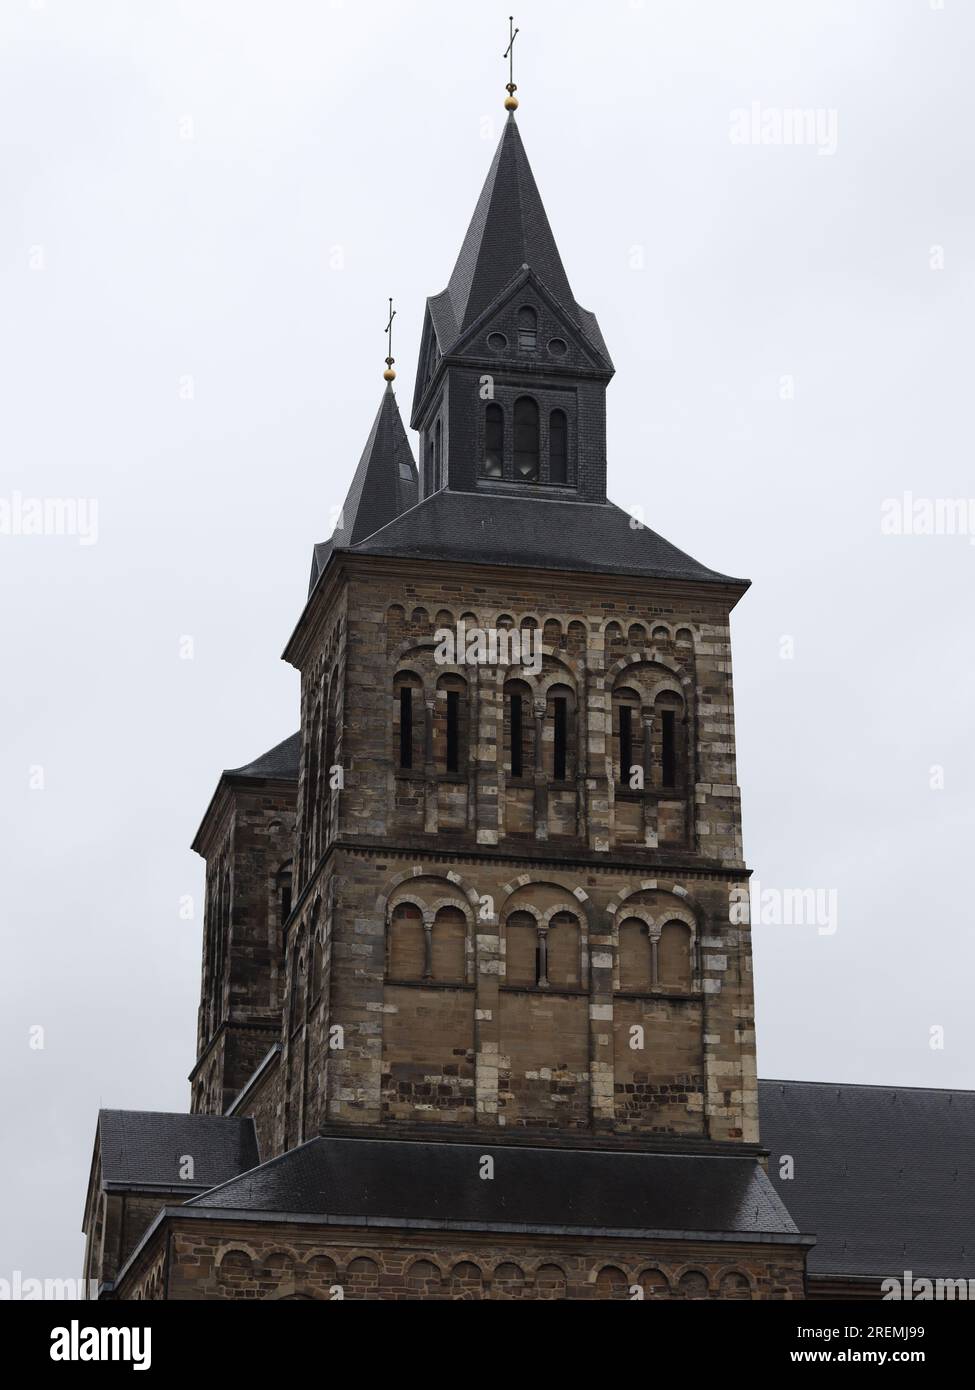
(389,374)
(511,101)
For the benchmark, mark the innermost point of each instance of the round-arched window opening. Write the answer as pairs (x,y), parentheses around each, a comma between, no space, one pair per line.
(497,342)
(558,347)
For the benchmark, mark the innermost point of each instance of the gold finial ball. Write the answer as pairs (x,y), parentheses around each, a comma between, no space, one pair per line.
(389,374)
(511,101)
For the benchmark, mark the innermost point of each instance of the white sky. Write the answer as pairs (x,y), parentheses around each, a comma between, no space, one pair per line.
(132,258)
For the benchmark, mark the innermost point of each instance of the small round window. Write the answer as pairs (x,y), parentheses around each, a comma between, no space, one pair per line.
(497,342)
(558,347)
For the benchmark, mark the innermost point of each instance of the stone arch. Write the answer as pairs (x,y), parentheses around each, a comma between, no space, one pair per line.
(610,1282)
(361,1277)
(235,1257)
(620,909)
(549,1280)
(418,871)
(648,656)
(734,1283)
(575,899)
(692,1282)
(466,1280)
(654,1283)
(424,1277)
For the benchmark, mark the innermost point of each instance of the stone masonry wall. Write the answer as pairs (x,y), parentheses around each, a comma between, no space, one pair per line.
(239,1260)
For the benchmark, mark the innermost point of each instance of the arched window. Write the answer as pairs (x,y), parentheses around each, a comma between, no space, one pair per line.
(449,946)
(297,967)
(627,738)
(406,950)
(563,947)
(521,950)
(527,329)
(558,447)
(428,469)
(493,441)
(408,721)
(450,724)
(328,762)
(674,968)
(668,739)
(560,716)
(636,955)
(526,440)
(315,948)
(518,729)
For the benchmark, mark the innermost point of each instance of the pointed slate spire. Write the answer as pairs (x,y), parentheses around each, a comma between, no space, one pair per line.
(509,230)
(385,485)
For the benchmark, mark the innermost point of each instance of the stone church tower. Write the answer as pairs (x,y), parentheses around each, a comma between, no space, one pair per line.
(472,972)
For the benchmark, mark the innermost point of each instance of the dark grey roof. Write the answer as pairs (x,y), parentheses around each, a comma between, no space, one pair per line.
(536,532)
(436,1183)
(884,1175)
(508,231)
(145,1148)
(385,484)
(280,762)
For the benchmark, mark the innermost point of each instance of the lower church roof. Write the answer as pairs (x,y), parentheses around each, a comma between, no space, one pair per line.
(405,1182)
(141,1149)
(883,1175)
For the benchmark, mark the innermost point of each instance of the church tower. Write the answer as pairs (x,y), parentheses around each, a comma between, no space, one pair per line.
(518,840)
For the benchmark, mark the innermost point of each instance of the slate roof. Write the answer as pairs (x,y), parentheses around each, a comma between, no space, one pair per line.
(385,484)
(539,533)
(281,761)
(884,1175)
(144,1148)
(430,1183)
(508,231)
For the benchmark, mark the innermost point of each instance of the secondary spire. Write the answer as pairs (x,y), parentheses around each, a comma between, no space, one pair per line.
(511,101)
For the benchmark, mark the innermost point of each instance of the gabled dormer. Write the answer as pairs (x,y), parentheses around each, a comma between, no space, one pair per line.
(510,390)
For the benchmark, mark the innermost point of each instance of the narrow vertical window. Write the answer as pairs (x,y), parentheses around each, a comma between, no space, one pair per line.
(626,742)
(527,329)
(560,710)
(668,751)
(428,470)
(453,728)
(493,441)
(517,735)
(558,447)
(526,440)
(438,478)
(405,727)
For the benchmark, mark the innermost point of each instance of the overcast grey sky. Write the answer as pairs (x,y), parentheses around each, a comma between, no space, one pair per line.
(205,207)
